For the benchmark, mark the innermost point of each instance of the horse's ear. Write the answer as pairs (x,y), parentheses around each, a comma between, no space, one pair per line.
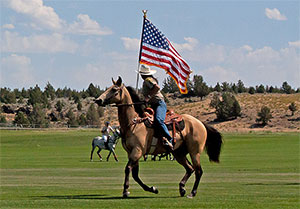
(119,81)
(113,81)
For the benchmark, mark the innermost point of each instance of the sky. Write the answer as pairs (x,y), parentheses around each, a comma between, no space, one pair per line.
(75,43)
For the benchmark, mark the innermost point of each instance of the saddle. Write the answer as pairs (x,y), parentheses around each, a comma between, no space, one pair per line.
(173,121)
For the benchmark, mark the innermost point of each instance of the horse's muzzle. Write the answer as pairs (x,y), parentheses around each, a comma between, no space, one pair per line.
(99,102)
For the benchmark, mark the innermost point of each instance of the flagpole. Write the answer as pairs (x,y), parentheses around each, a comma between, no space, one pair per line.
(137,78)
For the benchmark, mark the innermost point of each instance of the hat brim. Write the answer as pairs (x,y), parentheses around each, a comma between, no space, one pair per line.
(151,72)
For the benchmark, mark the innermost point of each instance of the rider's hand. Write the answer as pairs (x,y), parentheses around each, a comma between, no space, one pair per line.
(147,98)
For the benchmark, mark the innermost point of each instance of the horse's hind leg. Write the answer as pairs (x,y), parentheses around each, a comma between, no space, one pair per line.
(115,156)
(93,148)
(98,152)
(198,174)
(181,158)
(107,158)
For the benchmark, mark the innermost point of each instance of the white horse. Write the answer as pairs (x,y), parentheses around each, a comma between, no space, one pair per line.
(99,142)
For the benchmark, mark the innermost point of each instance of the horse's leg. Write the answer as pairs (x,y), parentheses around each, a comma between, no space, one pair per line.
(198,174)
(135,175)
(98,152)
(133,166)
(115,156)
(128,169)
(93,148)
(181,159)
(107,158)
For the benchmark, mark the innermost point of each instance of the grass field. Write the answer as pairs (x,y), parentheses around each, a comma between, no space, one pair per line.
(51,169)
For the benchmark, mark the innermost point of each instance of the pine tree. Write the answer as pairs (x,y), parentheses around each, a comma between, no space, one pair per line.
(264,115)
(21,119)
(293,108)
(38,117)
(286,88)
(241,87)
(49,91)
(200,87)
(92,115)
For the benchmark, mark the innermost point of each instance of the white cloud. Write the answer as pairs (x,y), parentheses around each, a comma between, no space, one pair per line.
(13,42)
(263,55)
(247,48)
(86,26)
(294,44)
(40,13)
(274,14)
(131,44)
(190,45)
(8,26)
(220,74)
(16,70)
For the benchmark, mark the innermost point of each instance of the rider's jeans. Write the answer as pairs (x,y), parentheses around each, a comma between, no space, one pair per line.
(160,115)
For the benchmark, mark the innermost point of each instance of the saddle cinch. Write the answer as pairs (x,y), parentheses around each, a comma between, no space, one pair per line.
(173,121)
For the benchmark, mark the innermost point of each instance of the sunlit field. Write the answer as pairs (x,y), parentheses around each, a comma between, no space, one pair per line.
(51,169)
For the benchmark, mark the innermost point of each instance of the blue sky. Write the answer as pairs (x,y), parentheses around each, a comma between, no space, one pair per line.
(75,43)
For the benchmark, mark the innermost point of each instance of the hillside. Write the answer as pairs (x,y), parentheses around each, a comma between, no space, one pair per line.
(282,120)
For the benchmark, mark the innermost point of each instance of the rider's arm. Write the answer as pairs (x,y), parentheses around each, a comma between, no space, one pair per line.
(153,86)
(110,129)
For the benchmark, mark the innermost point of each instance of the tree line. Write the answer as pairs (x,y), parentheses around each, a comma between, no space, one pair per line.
(198,87)
(38,103)
(224,101)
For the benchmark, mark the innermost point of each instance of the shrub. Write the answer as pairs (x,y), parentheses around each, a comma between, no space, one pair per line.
(38,117)
(82,119)
(227,107)
(59,105)
(2,119)
(21,119)
(71,118)
(293,108)
(92,115)
(264,116)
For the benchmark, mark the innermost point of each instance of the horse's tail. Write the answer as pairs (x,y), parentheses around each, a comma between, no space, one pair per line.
(213,143)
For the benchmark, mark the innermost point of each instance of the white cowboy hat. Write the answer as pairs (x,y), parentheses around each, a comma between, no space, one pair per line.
(145,70)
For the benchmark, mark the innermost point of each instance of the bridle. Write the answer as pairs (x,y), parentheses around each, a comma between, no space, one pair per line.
(118,89)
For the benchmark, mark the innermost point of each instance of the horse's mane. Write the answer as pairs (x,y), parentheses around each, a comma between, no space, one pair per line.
(139,108)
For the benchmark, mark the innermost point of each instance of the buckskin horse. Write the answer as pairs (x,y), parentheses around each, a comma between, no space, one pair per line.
(137,140)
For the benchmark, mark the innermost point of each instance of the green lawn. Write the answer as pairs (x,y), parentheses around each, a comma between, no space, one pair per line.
(51,169)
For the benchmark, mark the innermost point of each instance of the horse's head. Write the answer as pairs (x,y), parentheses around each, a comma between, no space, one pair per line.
(113,94)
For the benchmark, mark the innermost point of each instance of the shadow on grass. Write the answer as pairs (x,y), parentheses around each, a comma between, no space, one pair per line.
(96,197)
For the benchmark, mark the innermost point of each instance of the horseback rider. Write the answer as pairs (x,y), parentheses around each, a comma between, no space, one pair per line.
(153,96)
(106,130)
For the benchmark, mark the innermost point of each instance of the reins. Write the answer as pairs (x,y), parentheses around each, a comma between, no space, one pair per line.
(128,104)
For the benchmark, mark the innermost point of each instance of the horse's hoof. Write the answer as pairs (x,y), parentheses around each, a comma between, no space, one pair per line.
(190,196)
(154,190)
(100,159)
(193,194)
(126,194)
(182,191)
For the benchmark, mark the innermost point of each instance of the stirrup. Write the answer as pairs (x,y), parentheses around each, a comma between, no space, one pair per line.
(168,145)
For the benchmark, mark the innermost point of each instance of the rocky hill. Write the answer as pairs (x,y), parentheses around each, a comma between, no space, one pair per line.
(282,120)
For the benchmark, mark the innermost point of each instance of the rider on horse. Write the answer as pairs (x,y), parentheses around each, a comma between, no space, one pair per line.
(153,96)
(106,130)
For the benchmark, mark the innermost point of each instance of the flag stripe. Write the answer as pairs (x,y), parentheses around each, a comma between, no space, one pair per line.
(148,48)
(180,82)
(165,63)
(158,51)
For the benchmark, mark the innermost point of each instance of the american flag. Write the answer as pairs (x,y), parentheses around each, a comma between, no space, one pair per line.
(157,50)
